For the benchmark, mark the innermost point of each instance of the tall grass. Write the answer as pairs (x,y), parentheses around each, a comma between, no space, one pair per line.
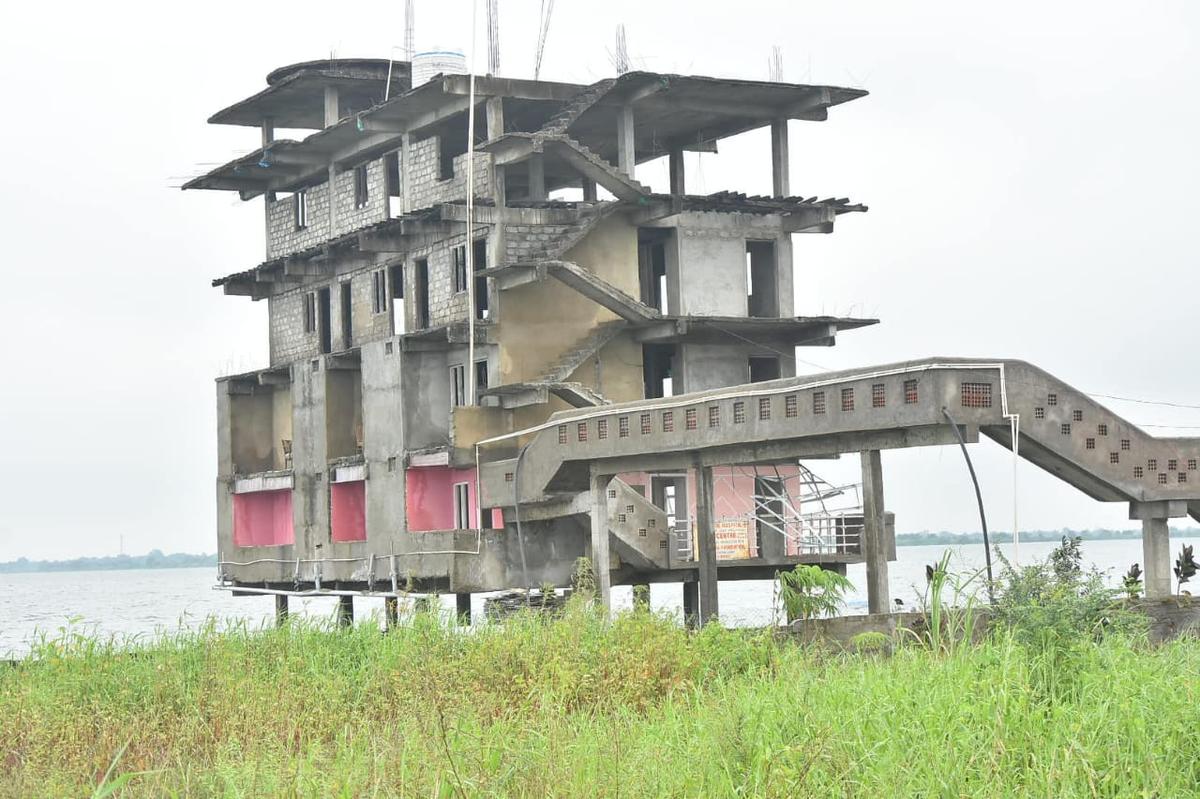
(582,707)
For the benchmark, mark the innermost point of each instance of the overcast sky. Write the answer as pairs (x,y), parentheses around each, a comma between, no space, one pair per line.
(1030,167)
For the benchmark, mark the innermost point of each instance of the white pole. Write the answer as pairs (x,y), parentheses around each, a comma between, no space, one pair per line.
(1015,424)
(470,217)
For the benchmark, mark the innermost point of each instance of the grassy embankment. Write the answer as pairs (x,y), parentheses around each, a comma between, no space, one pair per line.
(578,707)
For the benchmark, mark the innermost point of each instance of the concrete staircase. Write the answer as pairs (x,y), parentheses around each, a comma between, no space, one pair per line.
(555,379)
(593,167)
(601,291)
(638,527)
(561,122)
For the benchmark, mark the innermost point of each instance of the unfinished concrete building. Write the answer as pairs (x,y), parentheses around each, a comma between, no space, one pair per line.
(493,356)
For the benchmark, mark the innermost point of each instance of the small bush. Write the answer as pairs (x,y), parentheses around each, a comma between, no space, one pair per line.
(809,592)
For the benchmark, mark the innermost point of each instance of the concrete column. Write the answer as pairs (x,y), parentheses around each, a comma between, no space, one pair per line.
(268,136)
(706,544)
(537,177)
(675,164)
(405,193)
(499,185)
(332,114)
(1156,541)
(589,191)
(345,611)
(600,557)
(281,610)
(691,604)
(874,545)
(462,608)
(626,157)
(391,612)
(1156,552)
(495,117)
(779,158)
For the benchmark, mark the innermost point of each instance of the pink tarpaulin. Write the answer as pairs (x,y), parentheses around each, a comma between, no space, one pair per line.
(348,511)
(263,519)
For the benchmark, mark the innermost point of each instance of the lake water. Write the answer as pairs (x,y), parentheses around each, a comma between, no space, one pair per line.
(141,603)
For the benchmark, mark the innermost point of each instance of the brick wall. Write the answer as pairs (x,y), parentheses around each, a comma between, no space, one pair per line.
(282,236)
(426,186)
(288,341)
(523,243)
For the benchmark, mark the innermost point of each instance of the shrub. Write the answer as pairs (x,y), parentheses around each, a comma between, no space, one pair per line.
(809,592)
(1055,612)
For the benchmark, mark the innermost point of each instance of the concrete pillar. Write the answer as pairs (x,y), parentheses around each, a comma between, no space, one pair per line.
(675,164)
(391,612)
(345,611)
(462,609)
(589,191)
(706,544)
(268,136)
(1156,541)
(1156,552)
(405,193)
(499,185)
(600,557)
(332,113)
(874,544)
(281,610)
(495,117)
(691,603)
(779,158)
(537,177)
(626,157)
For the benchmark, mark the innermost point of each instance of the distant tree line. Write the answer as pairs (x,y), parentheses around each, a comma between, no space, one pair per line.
(154,559)
(1033,536)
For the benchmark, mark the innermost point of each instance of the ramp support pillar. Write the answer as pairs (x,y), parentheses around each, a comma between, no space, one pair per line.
(600,556)
(1156,542)
(706,544)
(874,545)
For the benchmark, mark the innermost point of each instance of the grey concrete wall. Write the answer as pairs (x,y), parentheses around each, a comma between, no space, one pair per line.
(711,268)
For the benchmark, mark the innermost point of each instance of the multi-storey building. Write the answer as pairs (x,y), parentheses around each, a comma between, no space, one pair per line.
(492,357)
(406,327)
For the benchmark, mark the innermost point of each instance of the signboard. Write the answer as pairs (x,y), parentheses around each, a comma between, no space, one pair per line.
(733,538)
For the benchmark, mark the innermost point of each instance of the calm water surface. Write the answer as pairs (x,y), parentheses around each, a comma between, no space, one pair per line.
(144,602)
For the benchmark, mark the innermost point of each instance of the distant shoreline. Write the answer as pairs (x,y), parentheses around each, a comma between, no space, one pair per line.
(154,559)
(182,560)
(1027,536)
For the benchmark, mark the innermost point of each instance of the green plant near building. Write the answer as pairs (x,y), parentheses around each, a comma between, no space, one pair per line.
(810,592)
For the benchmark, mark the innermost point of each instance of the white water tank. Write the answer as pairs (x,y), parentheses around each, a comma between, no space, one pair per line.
(438,61)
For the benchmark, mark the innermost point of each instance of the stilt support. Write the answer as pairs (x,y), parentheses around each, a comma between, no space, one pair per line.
(706,544)
(281,610)
(691,604)
(874,545)
(345,611)
(462,606)
(600,552)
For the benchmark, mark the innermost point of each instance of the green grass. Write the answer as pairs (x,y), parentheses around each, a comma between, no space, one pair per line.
(578,707)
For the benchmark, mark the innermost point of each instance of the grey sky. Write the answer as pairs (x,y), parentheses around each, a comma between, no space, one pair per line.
(1030,168)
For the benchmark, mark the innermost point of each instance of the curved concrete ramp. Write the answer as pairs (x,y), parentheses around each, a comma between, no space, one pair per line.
(887,407)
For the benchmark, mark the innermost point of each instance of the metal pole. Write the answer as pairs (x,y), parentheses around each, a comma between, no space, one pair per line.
(987,547)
